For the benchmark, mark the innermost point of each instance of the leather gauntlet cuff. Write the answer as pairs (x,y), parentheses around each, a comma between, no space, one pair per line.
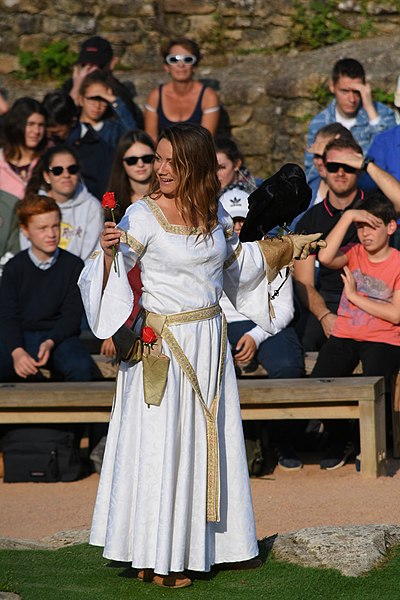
(278,253)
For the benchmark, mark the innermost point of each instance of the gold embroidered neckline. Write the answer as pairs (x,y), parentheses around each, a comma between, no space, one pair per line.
(162,220)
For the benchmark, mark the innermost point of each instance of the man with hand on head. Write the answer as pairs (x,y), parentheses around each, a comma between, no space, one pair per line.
(343,164)
(352,107)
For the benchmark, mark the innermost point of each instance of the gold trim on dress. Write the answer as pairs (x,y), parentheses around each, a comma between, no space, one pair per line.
(234,256)
(127,238)
(228,232)
(163,222)
(160,324)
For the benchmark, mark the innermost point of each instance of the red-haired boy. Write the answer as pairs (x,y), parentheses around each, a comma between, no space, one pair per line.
(40,304)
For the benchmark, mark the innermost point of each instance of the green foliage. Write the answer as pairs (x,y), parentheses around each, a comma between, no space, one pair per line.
(381,95)
(317,25)
(304,118)
(367,27)
(51,62)
(321,94)
(216,37)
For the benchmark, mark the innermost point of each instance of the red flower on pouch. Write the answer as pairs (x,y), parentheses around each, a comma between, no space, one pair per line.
(148,336)
(108,201)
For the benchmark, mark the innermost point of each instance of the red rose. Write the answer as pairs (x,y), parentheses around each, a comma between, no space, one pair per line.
(108,201)
(148,335)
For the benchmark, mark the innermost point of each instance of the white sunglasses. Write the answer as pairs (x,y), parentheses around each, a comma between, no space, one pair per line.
(187,59)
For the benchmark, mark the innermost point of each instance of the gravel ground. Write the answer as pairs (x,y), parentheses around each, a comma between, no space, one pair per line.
(283,502)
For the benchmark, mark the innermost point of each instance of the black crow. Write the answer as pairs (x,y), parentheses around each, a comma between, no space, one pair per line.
(277,201)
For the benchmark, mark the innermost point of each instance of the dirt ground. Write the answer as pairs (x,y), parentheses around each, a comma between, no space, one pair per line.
(283,502)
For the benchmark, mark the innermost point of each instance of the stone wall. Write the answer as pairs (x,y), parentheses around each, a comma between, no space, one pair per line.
(258,54)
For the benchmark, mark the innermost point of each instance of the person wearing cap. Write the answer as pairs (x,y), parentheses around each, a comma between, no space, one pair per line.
(281,354)
(183,99)
(352,106)
(96,53)
(102,110)
(94,153)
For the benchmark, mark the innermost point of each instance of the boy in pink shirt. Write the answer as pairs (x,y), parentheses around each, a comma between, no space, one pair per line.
(368,325)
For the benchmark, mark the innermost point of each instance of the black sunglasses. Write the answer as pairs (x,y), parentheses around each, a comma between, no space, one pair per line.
(72,170)
(132,160)
(333,167)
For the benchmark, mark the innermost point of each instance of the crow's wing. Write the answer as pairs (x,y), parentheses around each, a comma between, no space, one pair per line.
(277,201)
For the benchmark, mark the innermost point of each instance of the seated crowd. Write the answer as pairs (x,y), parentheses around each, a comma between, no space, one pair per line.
(59,156)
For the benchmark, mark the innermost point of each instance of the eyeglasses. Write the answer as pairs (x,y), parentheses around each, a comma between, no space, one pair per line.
(72,170)
(187,59)
(317,156)
(333,167)
(132,160)
(96,100)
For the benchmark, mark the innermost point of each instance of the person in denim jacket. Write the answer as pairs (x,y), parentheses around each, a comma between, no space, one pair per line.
(353,107)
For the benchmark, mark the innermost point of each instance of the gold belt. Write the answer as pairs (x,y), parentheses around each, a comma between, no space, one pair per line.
(160,325)
(199,314)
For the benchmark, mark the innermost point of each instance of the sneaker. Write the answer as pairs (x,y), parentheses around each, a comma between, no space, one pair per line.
(288,459)
(336,456)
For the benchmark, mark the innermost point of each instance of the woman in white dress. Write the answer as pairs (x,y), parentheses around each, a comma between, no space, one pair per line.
(174,492)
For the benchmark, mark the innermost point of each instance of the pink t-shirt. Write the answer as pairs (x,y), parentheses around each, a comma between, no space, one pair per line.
(378,281)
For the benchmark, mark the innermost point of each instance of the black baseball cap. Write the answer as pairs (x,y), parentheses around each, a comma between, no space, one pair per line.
(96,51)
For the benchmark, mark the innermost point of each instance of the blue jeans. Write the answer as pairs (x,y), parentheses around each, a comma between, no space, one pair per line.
(69,358)
(281,354)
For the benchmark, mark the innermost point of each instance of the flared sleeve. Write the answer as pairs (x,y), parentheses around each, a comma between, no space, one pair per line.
(246,275)
(108,310)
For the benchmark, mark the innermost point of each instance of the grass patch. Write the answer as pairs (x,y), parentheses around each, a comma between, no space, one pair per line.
(80,572)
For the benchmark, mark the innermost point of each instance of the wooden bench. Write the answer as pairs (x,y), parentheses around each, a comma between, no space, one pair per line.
(361,398)
(310,359)
(344,398)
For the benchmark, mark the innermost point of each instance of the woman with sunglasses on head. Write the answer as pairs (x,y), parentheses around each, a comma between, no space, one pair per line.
(57,175)
(131,175)
(174,492)
(183,99)
(23,139)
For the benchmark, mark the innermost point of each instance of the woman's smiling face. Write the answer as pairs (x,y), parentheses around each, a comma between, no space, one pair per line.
(167,177)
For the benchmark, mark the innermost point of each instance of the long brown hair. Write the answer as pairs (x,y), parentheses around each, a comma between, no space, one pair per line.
(119,181)
(194,159)
(13,134)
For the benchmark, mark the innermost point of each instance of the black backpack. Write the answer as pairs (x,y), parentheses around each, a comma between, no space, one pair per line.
(40,454)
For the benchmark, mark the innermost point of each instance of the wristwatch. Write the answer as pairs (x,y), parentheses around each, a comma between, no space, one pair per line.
(366,162)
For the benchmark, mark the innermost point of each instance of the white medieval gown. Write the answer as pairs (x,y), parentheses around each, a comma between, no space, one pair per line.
(151,502)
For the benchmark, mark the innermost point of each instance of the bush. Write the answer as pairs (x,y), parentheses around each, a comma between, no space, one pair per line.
(51,62)
(317,25)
